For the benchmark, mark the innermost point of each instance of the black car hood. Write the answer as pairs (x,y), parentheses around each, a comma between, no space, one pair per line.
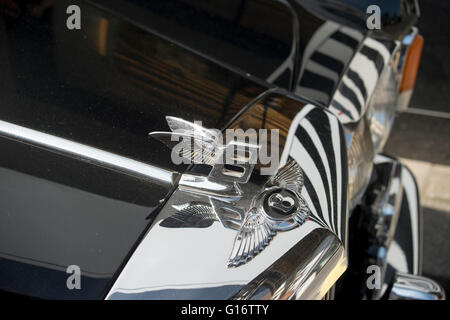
(99,90)
(76,103)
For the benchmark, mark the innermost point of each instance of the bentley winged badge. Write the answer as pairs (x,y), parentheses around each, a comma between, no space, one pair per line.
(258,214)
(279,207)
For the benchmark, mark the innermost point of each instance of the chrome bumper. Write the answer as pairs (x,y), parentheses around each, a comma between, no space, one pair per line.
(411,287)
(399,235)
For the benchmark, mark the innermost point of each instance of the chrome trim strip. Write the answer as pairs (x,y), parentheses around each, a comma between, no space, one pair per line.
(386,206)
(316,263)
(85,152)
(203,185)
(409,194)
(412,196)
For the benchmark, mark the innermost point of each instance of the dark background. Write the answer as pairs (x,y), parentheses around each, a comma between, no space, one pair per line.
(423,134)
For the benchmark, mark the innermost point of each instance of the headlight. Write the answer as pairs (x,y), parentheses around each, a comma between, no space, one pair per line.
(360,161)
(381,110)
(371,134)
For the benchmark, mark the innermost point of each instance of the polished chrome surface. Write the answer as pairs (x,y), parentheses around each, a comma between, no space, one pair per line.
(321,260)
(87,153)
(382,108)
(200,145)
(234,154)
(392,210)
(365,101)
(204,185)
(386,206)
(403,256)
(195,214)
(360,154)
(197,145)
(351,99)
(192,257)
(183,255)
(412,287)
(279,207)
(385,212)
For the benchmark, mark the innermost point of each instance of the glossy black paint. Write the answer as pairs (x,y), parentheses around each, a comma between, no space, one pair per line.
(106,86)
(110,83)
(396,15)
(58,211)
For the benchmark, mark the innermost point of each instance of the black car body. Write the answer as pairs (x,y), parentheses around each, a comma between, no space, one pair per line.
(81,183)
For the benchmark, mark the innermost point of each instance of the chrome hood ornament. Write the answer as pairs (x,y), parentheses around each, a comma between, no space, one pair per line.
(279,207)
(198,145)
(204,147)
(257,214)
